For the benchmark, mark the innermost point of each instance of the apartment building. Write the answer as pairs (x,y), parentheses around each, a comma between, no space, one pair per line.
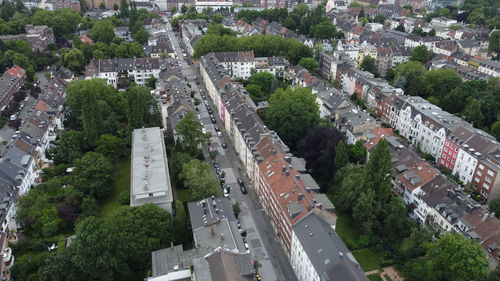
(318,253)
(192,31)
(10,82)
(286,191)
(120,72)
(243,63)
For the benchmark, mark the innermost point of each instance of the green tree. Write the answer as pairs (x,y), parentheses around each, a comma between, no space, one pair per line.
(68,147)
(324,30)
(494,42)
(473,113)
(379,171)
(418,31)
(217,18)
(440,82)
(357,152)
(352,183)
(177,161)
(292,112)
(151,82)
(181,227)
(395,225)
(111,146)
(400,28)
(142,109)
(141,36)
(184,8)
(102,31)
(410,76)
(341,156)
(309,64)
(73,59)
(93,175)
(190,133)
(219,29)
(368,64)
(364,212)
(379,18)
(494,206)
(123,8)
(420,54)
(198,178)
(453,257)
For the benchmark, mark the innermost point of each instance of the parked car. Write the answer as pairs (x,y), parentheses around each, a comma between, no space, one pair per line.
(213,120)
(219,134)
(224,145)
(240,182)
(243,189)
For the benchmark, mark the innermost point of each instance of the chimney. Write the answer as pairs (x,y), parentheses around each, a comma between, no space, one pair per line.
(485,216)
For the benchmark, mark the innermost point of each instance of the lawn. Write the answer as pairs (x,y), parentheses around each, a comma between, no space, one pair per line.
(375,277)
(121,183)
(369,258)
(347,230)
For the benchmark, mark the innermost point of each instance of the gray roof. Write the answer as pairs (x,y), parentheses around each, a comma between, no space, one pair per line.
(171,259)
(326,251)
(207,211)
(150,176)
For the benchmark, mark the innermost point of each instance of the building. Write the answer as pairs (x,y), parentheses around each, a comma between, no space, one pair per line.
(123,32)
(150,181)
(39,37)
(10,82)
(213,4)
(96,4)
(243,63)
(120,72)
(63,4)
(192,31)
(318,253)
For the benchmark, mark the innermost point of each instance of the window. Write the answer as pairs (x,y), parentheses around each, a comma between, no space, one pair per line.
(488,180)
(490,173)
(481,166)
(476,179)
(487,187)
(479,173)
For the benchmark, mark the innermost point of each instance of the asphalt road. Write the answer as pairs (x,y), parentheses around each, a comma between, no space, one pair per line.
(261,238)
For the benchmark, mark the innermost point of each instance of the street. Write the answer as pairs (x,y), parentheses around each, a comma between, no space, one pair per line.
(261,238)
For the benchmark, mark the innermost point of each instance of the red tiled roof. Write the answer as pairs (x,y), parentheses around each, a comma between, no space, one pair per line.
(42,106)
(17,71)
(380,133)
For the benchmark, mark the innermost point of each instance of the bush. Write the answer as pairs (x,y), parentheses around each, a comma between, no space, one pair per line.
(124,198)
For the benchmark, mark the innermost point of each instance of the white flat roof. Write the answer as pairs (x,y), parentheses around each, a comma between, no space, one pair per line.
(150,176)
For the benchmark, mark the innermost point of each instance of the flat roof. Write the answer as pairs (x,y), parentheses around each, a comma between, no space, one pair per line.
(150,181)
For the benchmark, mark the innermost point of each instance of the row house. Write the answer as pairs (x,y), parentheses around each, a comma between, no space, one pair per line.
(328,66)
(489,67)
(366,50)
(438,203)
(54,5)
(446,47)
(191,31)
(414,40)
(285,190)
(388,57)
(10,82)
(120,72)
(159,46)
(123,33)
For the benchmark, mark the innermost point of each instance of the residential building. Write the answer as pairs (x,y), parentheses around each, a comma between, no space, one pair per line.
(328,66)
(123,33)
(242,64)
(120,72)
(214,5)
(150,180)
(10,82)
(192,31)
(54,5)
(318,253)
(39,37)
(96,4)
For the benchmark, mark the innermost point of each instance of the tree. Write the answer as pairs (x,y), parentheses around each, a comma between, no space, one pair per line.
(418,31)
(184,8)
(494,206)
(432,32)
(453,257)
(73,59)
(219,29)
(102,31)
(368,64)
(292,112)
(198,178)
(494,275)
(410,76)
(494,42)
(309,64)
(341,156)
(379,18)
(141,36)
(111,146)
(68,147)
(379,171)
(420,54)
(357,152)
(151,82)
(265,80)
(401,28)
(217,18)
(317,147)
(181,227)
(324,30)
(93,175)
(396,224)
(123,9)
(364,212)
(473,113)
(190,134)
(440,82)
(142,109)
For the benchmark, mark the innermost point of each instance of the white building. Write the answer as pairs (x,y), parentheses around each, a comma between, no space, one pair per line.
(318,253)
(150,181)
(112,70)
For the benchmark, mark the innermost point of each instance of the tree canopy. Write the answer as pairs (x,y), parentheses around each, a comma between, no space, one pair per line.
(420,54)
(199,179)
(190,133)
(292,112)
(93,175)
